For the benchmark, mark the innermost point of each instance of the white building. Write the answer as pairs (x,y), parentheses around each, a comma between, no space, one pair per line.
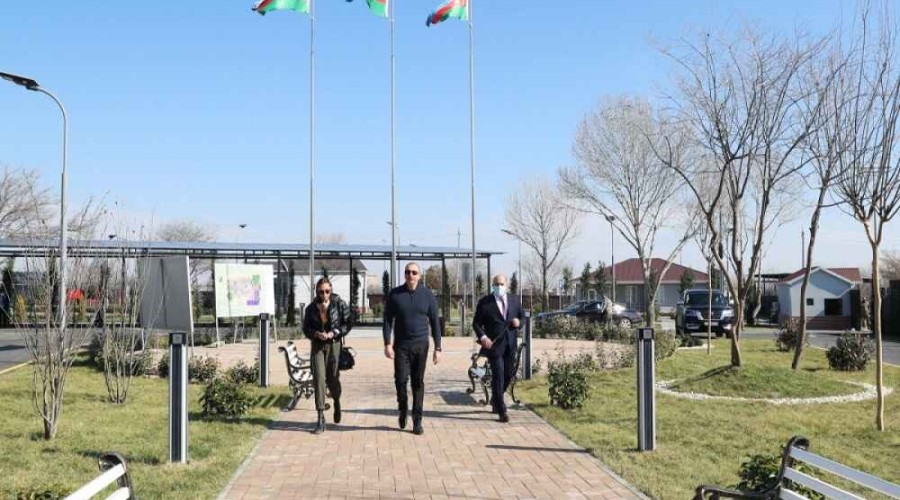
(828,297)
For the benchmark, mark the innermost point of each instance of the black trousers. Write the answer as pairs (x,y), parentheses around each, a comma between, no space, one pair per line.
(503,367)
(409,362)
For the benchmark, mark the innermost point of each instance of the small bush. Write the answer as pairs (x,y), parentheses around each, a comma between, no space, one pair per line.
(224,398)
(788,337)
(138,365)
(568,327)
(47,493)
(567,379)
(851,353)
(162,366)
(688,340)
(614,356)
(759,473)
(202,370)
(618,334)
(666,344)
(241,373)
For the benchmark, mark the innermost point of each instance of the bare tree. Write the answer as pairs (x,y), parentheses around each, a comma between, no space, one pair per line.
(191,231)
(538,217)
(52,345)
(618,174)
(122,284)
(740,98)
(890,265)
(824,105)
(23,202)
(869,180)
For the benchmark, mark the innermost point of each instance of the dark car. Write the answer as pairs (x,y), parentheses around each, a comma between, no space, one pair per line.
(595,310)
(694,312)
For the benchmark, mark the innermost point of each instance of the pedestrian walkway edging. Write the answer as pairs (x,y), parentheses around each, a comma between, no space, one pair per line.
(13,368)
(625,484)
(246,463)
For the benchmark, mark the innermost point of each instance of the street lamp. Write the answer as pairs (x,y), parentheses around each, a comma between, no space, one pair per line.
(519,266)
(395,236)
(32,85)
(238,240)
(612,250)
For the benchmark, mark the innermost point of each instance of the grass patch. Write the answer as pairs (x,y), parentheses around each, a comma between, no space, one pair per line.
(706,441)
(137,430)
(763,381)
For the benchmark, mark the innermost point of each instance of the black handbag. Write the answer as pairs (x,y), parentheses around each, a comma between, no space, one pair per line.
(347,359)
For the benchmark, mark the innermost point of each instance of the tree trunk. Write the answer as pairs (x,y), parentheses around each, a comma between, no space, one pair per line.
(709,307)
(798,352)
(545,301)
(876,331)
(736,333)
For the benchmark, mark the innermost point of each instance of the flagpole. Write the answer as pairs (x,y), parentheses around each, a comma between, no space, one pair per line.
(312,149)
(394,276)
(472,134)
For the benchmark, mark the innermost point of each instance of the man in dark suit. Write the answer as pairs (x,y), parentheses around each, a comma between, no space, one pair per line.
(497,319)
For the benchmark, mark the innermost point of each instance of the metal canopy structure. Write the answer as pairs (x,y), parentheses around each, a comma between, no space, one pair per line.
(224,250)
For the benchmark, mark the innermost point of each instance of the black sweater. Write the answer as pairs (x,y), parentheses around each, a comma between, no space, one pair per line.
(410,313)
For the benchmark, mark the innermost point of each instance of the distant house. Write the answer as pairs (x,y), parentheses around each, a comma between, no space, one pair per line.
(630,284)
(829,303)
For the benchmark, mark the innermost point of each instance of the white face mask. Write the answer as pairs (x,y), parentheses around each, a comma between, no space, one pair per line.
(499,290)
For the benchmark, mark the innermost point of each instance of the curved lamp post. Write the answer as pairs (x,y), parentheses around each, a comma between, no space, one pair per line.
(32,85)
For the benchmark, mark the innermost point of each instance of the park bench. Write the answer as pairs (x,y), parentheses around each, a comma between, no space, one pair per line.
(789,478)
(300,378)
(113,470)
(480,372)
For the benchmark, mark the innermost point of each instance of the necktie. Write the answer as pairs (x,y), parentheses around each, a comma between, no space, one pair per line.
(503,307)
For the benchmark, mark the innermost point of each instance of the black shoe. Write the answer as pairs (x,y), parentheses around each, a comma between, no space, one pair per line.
(337,411)
(504,418)
(417,427)
(402,419)
(320,424)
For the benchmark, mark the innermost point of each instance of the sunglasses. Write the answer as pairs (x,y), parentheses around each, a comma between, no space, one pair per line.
(409,271)
(324,292)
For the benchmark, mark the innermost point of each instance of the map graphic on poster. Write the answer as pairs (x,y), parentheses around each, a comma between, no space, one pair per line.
(244,290)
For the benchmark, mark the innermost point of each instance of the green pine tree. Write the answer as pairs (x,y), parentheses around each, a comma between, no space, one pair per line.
(585,280)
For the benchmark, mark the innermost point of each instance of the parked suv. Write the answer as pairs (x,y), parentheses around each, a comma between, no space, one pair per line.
(693,312)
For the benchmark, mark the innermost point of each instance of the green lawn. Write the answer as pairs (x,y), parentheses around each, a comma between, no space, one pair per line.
(705,441)
(138,430)
(763,381)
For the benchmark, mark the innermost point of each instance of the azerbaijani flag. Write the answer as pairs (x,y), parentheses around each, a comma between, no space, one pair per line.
(456,9)
(263,6)
(378,7)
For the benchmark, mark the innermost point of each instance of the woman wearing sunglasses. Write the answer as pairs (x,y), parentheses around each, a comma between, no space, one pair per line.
(326,323)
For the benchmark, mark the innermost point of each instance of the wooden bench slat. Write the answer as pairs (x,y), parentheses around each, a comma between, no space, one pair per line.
(98,484)
(867,480)
(790,495)
(818,485)
(120,494)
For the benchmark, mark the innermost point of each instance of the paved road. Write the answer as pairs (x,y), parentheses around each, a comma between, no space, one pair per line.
(826,339)
(12,349)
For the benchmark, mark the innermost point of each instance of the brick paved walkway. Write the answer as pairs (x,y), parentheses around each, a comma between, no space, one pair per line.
(465,452)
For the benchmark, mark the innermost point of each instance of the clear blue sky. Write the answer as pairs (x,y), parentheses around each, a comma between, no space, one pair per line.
(200,109)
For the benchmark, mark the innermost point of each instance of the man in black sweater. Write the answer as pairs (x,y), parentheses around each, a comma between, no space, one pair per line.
(410,310)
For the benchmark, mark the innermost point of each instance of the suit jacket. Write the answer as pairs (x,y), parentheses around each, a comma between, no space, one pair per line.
(489,322)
